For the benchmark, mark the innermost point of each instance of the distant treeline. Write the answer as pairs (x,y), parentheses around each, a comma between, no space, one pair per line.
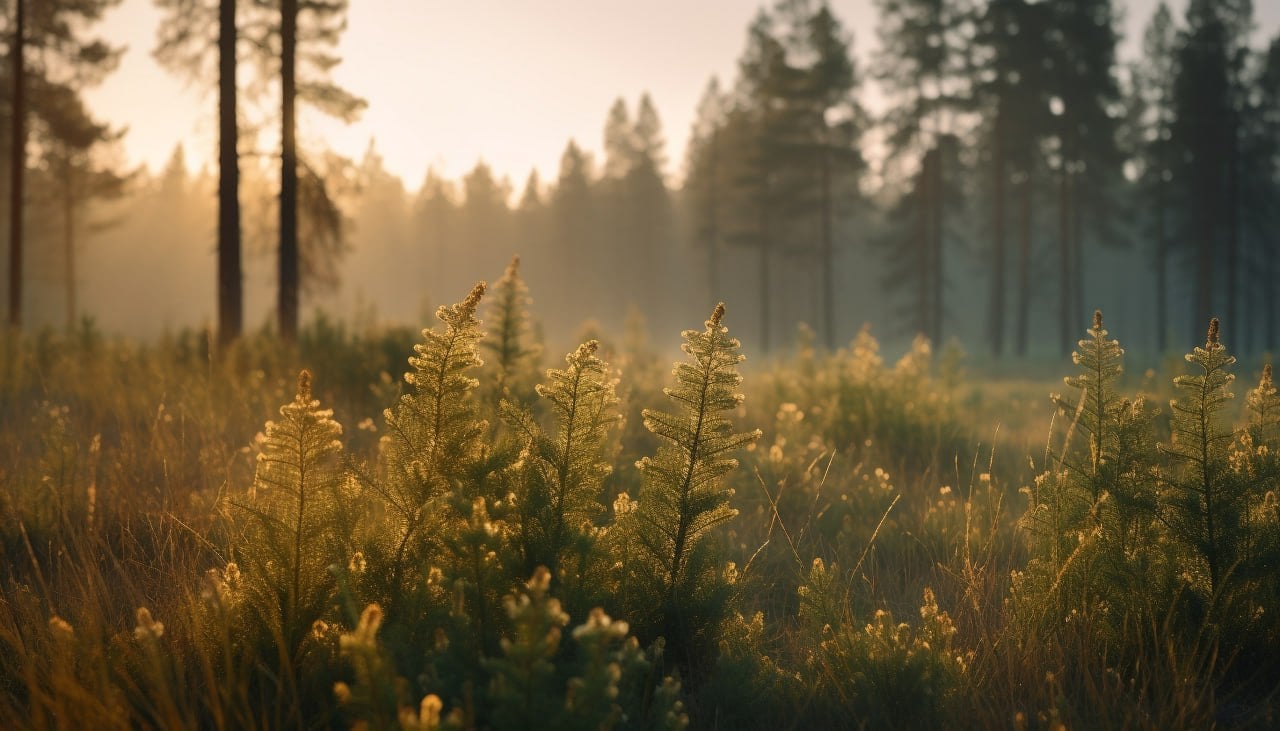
(1018,176)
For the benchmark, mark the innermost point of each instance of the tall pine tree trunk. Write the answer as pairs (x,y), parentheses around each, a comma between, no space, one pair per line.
(1024,264)
(230,296)
(287,308)
(18,164)
(997,238)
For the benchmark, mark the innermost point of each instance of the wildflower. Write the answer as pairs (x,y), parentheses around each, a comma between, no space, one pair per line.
(341,691)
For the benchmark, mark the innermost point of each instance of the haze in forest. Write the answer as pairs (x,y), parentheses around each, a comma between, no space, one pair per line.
(620,151)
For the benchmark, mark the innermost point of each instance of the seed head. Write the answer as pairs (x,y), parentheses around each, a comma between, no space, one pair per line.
(1097,319)
(1213,331)
(304,385)
(473,300)
(717,315)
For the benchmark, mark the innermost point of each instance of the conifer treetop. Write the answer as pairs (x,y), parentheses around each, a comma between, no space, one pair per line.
(1101,361)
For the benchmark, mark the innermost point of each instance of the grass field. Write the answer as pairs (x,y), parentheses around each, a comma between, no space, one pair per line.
(201,539)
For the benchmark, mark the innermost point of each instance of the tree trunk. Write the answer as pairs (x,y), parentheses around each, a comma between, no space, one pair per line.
(828,276)
(996,322)
(69,238)
(924,246)
(287,308)
(713,220)
(1077,249)
(18,164)
(1269,302)
(938,199)
(1162,273)
(230,297)
(1064,260)
(766,311)
(1024,265)
(1232,212)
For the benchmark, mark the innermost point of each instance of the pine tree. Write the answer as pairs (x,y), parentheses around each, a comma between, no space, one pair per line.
(45,103)
(563,475)
(326,22)
(434,437)
(298,517)
(683,499)
(1116,484)
(510,339)
(524,688)
(1264,405)
(922,66)
(573,215)
(1153,96)
(1084,90)
(703,194)
(1205,133)
(1012,87)
(1101,363)
(1206,502)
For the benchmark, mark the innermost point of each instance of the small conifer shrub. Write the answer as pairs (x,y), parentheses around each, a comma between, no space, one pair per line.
(562,474)
(296,521)
(674,565)
(1206,500)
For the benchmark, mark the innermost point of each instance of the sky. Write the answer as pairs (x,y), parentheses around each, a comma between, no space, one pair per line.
(506,81)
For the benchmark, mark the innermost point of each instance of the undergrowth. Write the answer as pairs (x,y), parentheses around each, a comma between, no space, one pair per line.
(270,537)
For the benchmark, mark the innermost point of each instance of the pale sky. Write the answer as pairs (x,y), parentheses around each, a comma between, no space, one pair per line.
(509,81)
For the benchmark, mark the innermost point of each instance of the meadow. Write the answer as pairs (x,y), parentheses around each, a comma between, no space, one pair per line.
(461,529)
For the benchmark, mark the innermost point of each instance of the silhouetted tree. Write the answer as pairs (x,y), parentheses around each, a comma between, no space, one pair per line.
(183,48)
(922,66)
(704,184)
(1152,109)
(1011,89)
(1084,92)
(50,62)
(1205,131)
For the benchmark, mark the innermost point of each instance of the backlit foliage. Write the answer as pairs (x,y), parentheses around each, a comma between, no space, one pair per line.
(561,475)
(476,563)
(684,497)
(296,521)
